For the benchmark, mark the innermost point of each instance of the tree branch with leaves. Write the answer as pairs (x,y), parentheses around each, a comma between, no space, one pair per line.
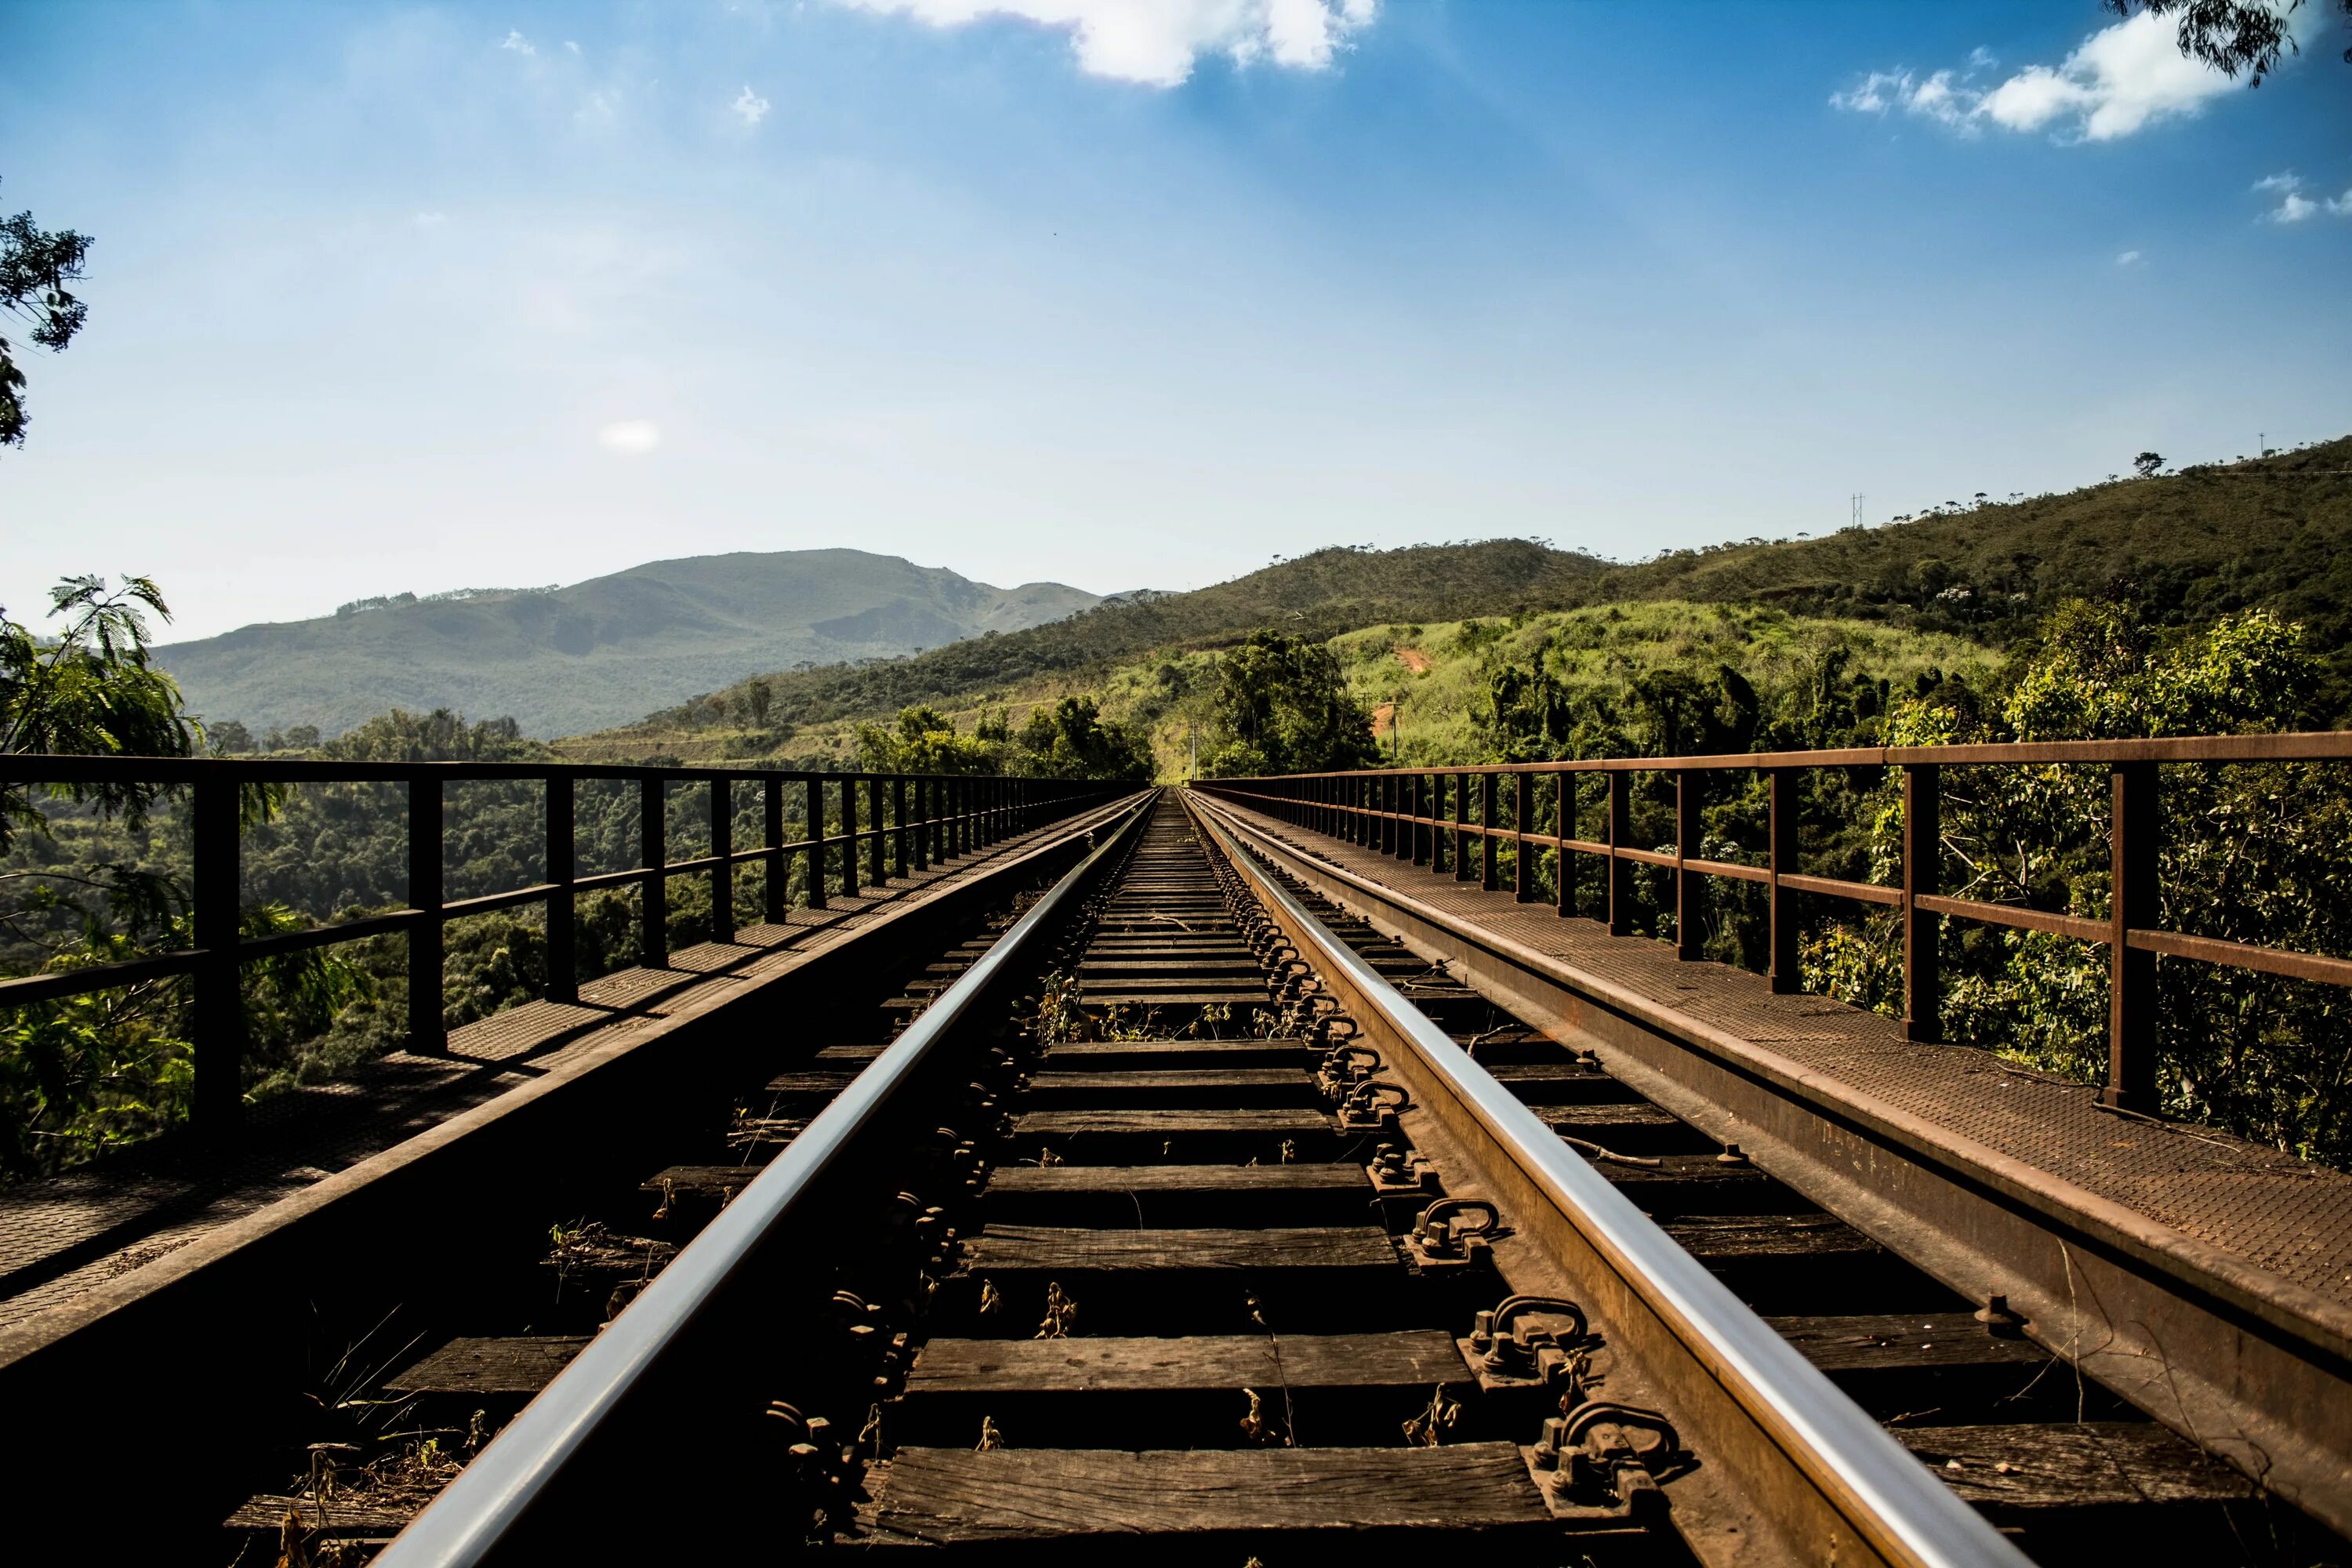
(35,268)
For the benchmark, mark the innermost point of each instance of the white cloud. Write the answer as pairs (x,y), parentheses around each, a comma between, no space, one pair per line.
(2119,81)
(1938,100)
(431,219)
(2340,207)
(2293,206)
(630,437)
(572,46)
(515,41)
(2129,258)
(1873,94)
(1157,42)
(1948,97)
(750,107)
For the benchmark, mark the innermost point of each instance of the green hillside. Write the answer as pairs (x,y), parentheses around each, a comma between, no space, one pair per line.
(600,652)
(2268,533)
(1318,595)
(2181,548)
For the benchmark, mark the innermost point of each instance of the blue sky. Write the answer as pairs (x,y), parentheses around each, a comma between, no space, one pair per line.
(1137,294)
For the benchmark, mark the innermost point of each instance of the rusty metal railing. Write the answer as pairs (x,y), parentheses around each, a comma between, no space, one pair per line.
(910,822)
(1403,812)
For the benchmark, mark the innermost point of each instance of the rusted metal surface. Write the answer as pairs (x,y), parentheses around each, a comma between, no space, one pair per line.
(2206,1282)
(2135,831)
(470,1521)
(1819,1472)
(422,1227)
(220,947)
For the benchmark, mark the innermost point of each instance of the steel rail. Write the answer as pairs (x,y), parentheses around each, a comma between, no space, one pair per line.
(1893,1502)
(471,1518)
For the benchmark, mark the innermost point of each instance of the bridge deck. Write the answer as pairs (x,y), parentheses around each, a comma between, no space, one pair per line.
(2288,1218)
(62,1237)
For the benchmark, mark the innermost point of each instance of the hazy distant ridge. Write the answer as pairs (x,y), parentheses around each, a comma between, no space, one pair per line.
(602,651)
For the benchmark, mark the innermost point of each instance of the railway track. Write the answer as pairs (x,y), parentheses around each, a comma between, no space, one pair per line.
(1174,1211)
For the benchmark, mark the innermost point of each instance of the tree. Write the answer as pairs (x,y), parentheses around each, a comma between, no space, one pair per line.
(89,692)
(2148,464)
(35,268)
(1073,741)
(1283,707)
(2230,36)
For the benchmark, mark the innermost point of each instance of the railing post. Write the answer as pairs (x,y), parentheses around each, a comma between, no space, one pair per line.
(1431,800)
(2133,840)
(1787,979)
(1523,801)
(848,835)
(898,846)
(218,1104)
(1620,871)
(779,865)
(1461,821)
(923,798)
(562,870)
(815,840)
(1416,848)
(875,871)
(1923,835)
(1395,843)
(722,852)
(1689,886)
(1437,833)
(1462,853)
(426,1032)
(1563,821)
(653,831)
(1490,849)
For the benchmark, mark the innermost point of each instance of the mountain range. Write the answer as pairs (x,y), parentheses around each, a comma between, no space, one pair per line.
(601,652)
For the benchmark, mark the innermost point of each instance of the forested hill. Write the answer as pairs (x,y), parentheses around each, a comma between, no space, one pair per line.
(601,652)
(2183,547)
(1318,595)
(2270,532)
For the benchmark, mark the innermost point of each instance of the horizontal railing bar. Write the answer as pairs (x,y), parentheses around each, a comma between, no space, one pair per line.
(63,767)
(1838,887)
(59,985)
(328,935)
(2308,745)
(484,903)
(2244,955)
(608,879)
(1731,869)
(2016,916)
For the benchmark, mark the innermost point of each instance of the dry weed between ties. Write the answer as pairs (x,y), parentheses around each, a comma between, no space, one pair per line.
(402,1481)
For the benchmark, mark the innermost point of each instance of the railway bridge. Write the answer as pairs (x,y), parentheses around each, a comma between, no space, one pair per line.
(1020,1169)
